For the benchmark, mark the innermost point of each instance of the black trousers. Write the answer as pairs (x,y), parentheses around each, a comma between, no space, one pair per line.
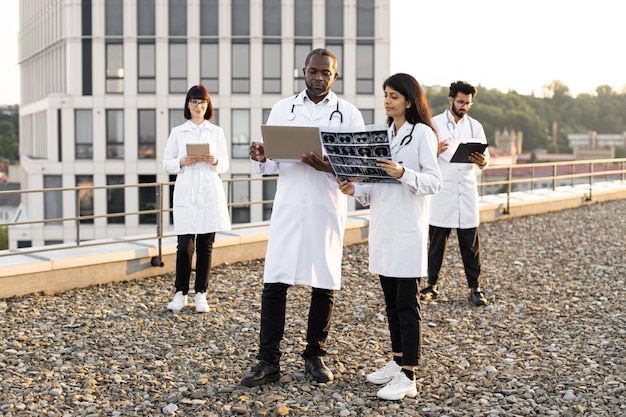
(470,252)
(203,245)
(404,316)
(273,305)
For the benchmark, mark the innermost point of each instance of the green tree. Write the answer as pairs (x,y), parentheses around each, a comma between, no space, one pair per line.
(9,133)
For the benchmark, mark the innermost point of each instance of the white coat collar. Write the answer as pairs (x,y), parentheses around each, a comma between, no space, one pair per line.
(330,99)
(189,125)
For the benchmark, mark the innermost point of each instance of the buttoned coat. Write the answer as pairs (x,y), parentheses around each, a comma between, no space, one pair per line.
(456,205)
(398,235)
(309,214)
(200,204)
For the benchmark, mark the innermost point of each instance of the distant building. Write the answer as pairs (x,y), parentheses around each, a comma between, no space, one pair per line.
(594,145)
(103,82)
(11,209)
(508,146)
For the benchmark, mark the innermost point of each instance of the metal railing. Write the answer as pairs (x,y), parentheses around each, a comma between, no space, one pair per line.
(494,180)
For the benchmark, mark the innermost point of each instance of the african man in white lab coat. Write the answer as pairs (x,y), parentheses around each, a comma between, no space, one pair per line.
(456,205)
(307,226)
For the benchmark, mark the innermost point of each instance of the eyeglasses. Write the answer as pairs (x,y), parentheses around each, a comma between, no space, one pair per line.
(196,103)
(462,103)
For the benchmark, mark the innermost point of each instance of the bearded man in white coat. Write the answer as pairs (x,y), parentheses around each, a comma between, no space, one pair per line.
(307,226)
(455,206)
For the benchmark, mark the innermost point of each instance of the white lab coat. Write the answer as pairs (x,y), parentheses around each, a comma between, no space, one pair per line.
(398,239)
(456,205)
(309,215)
(200,204)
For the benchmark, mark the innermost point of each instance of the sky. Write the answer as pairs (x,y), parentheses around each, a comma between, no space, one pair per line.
(520,45)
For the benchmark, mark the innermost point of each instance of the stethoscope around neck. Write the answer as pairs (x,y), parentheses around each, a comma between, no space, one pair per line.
(451,125)
(405,140)
(291,116)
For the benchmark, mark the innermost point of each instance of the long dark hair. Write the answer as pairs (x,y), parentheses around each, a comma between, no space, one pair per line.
(201,93)
(419,111)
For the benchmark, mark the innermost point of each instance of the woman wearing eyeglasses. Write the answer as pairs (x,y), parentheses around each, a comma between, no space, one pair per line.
(196,152)
(398,235)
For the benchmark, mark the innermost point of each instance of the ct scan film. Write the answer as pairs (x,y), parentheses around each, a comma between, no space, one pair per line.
(353,154)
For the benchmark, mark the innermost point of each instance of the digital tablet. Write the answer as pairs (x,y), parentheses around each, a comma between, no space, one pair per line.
(288,143)
(198,149)
(465,149)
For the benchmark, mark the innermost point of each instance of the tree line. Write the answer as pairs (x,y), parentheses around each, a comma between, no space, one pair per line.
(535,117)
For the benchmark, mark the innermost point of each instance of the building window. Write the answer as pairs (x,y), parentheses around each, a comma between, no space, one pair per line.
(147,199)
(114,17)
(83,132)
(272,18)
(209,66)
(115,199)
(365,19)
(146,18)
(114,67)
(115,134)
(240,13)
(85,197)
(52,200)
(299,56)
(266,115)
(303,18)
(368,116)
(209,18)
(271,67)
(269,191)
(146,67)
(241,67)
(147,134)
(241,194)
(365,69)
(177,13)
(334,19)
(178,67)
(176,118)
(337,49)
(241,133)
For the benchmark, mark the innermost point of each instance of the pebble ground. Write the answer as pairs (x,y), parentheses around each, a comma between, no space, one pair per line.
(550,343)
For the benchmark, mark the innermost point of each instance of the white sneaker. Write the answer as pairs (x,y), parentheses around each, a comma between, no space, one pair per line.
(201,305)
(384,374)
(178,302)
(399,387)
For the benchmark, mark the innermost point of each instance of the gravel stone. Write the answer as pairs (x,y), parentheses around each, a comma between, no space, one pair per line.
(550,343)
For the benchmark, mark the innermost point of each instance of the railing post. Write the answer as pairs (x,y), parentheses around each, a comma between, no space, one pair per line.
(158,260)
(591,173)
(77,217)
(509,188)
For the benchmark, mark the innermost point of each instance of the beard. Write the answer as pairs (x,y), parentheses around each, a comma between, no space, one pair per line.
(317,89)
(457,112)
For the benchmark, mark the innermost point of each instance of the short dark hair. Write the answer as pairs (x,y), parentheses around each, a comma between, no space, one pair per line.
(463,87)
(323,52)
(201,93)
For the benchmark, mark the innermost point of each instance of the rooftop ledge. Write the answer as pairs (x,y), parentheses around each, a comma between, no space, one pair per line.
(98,263)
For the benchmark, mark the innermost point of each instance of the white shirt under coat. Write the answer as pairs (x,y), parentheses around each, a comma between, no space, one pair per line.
(200,204)
(309,215)
(456,205)
(398,236)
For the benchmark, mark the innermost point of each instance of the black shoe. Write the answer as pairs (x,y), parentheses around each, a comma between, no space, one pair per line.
(317,369)
(477,296)
(429,293)
(263,372)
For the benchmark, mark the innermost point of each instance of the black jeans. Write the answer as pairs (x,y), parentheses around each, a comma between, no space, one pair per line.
(470,252)
(404,316)
(184,255)
(273,305)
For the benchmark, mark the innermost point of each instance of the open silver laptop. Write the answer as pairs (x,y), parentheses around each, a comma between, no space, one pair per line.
(288,143)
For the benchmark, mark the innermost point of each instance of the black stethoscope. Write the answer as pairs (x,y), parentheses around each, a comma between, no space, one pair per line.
(292,115)
(405,140)
(453,124)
